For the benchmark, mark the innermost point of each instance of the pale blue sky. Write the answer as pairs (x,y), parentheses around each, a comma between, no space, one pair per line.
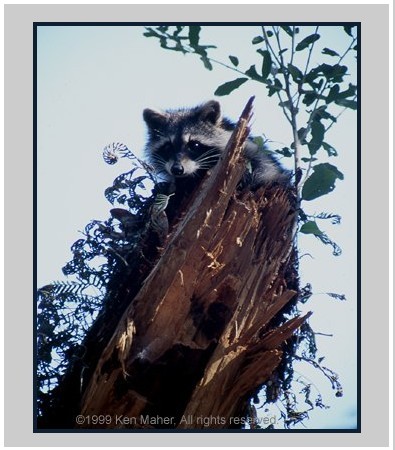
(93,84)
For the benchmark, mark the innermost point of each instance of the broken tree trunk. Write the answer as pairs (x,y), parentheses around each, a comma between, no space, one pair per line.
(196,340)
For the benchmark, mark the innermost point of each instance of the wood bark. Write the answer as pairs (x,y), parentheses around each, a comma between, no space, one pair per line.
(196,341)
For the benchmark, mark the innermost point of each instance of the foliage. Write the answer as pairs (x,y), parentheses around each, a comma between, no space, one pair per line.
(108,251)
(315,94)
(312,97)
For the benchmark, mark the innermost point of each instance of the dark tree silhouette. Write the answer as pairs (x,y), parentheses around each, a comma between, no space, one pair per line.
(204,324)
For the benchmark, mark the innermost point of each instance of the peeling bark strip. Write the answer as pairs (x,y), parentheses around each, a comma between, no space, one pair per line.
(196,340)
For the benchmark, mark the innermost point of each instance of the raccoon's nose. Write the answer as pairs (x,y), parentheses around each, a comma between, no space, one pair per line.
(177,169)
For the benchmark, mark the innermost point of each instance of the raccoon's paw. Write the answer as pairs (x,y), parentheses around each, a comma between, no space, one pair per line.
(165,188)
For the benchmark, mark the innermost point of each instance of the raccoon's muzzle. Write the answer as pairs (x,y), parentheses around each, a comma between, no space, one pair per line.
(177,168)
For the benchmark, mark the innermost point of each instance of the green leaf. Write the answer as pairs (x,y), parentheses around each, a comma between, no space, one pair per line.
(334,218)
(317,136)
(285,151)
(227,88)
(310,228)
(347,29)
(352,104)
(317,131)
(288,30)
(273,88)
(350,92)
(333,94)
(206,62)
(333,73)
(301,136)
(193,34)
(329,149)
(322,113)
(258,140)
(310,97)
(296,73)
(252,73)
(234,60)
(340,297)
(266,64)
(278,84)
(327,241)
(150,32)
(286,104)
(257,40)
(311,76)
(307,41)
(336,73)
(177,31)
(321,181)
(328,51)
(307,160)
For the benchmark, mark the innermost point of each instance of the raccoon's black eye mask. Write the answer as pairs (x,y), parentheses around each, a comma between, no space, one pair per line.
(196,148)
(166,150)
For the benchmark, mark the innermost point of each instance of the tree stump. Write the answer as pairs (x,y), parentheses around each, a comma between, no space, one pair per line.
(196,341)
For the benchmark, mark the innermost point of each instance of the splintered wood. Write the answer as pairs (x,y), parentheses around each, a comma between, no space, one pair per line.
(196,340)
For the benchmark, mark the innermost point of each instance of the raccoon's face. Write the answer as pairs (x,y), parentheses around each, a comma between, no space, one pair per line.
(184,142)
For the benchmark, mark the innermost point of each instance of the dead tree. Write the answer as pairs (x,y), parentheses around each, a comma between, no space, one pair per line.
(197,340)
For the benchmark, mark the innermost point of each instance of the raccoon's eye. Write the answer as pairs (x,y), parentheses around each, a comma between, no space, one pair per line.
(195,146)
(166,150)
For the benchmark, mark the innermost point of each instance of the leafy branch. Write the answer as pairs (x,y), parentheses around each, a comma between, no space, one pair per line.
(319,86)
(101,260)
(312,94)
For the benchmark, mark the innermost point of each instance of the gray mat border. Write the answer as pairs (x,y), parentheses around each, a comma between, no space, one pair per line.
(18,237)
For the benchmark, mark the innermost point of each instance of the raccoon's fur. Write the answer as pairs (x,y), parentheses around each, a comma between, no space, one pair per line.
(188,142)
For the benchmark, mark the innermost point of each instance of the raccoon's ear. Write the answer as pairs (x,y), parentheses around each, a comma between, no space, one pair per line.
(154,119)
(210,112)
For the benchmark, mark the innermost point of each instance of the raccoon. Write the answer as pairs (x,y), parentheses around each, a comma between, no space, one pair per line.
(187,142)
